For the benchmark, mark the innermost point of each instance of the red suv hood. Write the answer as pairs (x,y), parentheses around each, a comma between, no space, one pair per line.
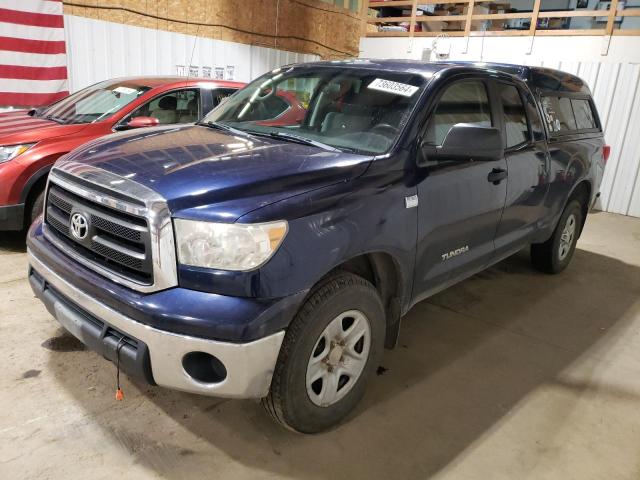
(19,127)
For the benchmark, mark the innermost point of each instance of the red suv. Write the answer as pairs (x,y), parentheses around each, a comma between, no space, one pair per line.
(31,141)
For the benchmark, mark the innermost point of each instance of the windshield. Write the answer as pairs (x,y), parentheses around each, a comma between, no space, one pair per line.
(357,110)
(93,103)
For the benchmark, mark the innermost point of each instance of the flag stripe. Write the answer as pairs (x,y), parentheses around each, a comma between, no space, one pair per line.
(34,6)
(29,18)
(32,86)
(30,32)
(33,73)
(32,59)
(32,46)
(13,98)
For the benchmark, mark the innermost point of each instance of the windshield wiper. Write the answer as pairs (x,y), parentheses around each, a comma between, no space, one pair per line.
(298,139)
(54,119)
(224,127)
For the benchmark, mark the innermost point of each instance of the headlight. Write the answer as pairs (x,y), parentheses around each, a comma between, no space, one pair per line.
(227,246)
(9,152)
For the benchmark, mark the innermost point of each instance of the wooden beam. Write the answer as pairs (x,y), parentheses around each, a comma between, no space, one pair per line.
(438,2)
(501,16)
(389,34)
(612,17)
(455,33)
(388,19)
(441,18)
(568,33)
(412,25)
(395,3)
(630,32)
(468,18)
(467,25)
(534,17)
(574,13)
(499,33)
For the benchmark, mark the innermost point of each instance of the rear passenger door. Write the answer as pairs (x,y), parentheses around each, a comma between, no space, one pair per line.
(459,209)
(528,168)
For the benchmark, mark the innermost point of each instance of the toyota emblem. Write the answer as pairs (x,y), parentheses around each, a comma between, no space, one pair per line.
(79,226)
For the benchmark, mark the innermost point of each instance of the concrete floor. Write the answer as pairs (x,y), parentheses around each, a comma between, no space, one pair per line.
(511,374)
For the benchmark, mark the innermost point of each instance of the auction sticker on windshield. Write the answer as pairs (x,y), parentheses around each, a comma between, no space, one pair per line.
(125,90)
(389,86)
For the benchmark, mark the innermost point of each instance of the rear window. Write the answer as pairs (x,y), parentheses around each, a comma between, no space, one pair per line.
(566,115)
(583,113)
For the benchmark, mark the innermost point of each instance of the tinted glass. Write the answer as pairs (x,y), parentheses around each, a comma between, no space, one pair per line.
(515,118)
(94,103)
(535,123)
(583,114)
(221,94)
(357,110)
(463,102)
(173,107)
(559,114)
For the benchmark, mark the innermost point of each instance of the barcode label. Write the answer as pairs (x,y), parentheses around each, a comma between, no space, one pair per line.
(389,86)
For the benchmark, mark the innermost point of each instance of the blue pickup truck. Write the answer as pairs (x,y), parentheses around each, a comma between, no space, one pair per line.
(259,254)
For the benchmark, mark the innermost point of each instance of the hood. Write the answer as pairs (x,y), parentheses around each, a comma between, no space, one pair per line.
(195,166)
(20,127)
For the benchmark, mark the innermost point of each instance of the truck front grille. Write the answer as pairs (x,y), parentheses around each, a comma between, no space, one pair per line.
(116,241)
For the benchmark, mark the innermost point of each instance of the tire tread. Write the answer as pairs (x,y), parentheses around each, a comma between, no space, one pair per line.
(274,403)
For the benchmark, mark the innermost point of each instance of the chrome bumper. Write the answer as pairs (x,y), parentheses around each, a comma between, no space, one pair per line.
(249,366)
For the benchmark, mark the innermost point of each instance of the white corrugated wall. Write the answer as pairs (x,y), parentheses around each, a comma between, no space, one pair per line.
(98,50)
(612,73)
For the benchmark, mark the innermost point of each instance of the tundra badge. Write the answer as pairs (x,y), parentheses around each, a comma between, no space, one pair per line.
(455,253)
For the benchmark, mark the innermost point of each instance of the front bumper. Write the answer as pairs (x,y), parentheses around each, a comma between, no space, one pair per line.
(153,354)
(11,217)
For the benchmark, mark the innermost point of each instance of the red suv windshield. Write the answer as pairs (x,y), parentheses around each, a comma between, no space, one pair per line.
(93,103)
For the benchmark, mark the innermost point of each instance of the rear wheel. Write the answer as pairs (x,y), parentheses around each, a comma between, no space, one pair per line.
(331,349)
(554,255)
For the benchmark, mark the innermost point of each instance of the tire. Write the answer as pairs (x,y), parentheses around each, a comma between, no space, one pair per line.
(554,255)
(340,308)
(37,207)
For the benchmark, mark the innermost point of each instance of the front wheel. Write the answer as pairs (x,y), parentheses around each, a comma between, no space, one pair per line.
(331,349)
(554,255)
(36,208)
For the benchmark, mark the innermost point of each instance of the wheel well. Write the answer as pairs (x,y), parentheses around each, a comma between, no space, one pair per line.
(384,274)
(37,187)
(582,193)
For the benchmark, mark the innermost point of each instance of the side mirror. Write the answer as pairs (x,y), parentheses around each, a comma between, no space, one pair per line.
(466,142)
(141,122)
(137,122)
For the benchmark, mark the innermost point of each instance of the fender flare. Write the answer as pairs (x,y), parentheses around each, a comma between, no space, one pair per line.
(35,178)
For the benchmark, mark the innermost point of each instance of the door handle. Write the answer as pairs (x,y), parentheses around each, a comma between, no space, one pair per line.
(497,175)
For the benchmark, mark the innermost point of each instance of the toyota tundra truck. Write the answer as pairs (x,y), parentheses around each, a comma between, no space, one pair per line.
(248,256)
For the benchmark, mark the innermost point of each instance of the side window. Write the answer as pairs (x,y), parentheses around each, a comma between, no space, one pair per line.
(535,122)
(181,106)
(462,102)
(221,94)
(515,118)
(559,114)
(583,113)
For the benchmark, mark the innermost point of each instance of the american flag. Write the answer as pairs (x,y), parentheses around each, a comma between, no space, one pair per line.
(33,58)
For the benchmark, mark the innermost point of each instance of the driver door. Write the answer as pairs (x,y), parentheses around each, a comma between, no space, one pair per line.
(173,107)
(459,208)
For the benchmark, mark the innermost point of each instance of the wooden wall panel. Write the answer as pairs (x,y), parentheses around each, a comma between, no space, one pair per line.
(305,26)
